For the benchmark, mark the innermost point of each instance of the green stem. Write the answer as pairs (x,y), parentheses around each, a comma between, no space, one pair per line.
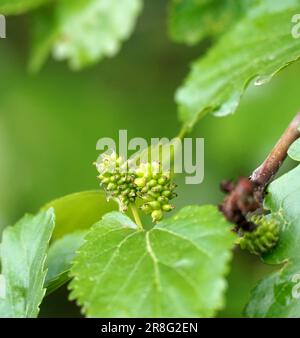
(136,216)
(183,131)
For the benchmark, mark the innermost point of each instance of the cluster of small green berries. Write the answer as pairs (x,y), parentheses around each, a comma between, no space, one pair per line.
(116,180)
(148,182)
(155,189)
(264,237)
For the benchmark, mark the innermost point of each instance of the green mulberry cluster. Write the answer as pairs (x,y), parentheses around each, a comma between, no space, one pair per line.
(117,182)
(155,189)
(265,236)
(148,182)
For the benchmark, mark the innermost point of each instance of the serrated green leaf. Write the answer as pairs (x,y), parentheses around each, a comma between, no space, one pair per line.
(275,295)
(256,48)
(79,211)
(59,260)
(23,254)
(278,295)
(175,269)
(19,6)
(83,32)
(283,199)
(192,20)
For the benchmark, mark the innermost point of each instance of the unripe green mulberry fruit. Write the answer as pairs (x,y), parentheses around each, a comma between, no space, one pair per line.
(116,180)
(155,189)
(265,236)
(148,182)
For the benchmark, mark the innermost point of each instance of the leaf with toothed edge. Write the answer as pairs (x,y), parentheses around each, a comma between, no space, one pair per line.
(176,269)
(278,294)
(256,48)
(23,254)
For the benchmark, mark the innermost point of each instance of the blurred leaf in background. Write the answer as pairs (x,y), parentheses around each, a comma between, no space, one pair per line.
(82,31)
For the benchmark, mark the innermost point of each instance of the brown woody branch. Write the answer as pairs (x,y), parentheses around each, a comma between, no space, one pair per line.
(247,194)
(264,174)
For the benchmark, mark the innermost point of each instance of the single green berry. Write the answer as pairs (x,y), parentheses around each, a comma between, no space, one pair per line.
(163,180)
(157,188)
(132,193)
(144,190)
(153,195)
(146,209)
(105,180)
(111,186)
(167,193)
(162,200)
(152,184)
(155,205)
(140,182)
(167,207)
(157,215)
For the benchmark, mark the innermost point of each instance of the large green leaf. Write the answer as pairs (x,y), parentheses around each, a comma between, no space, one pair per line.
(283,198)
(274,296)
(19,6)
(59,260)
(192,20)
(23,254)
(83,31)
(79,211)
(175,269)
(256,48)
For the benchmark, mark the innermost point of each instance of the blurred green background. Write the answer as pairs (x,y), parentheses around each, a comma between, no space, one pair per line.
(50,123)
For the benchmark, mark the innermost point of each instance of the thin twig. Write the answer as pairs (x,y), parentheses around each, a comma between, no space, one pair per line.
(264,174)
(136,216)
(246,195)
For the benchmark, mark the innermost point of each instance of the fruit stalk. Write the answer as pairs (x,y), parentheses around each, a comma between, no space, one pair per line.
(136,216)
